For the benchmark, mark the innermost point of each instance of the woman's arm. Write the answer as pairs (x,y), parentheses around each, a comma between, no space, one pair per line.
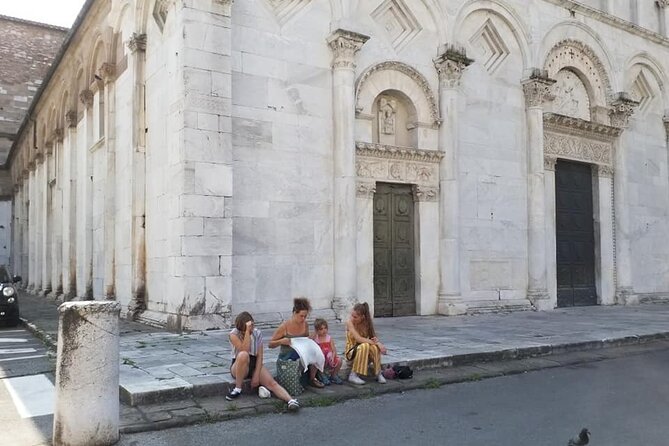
(239,344)
(358,338)
(333,348)
(279,337)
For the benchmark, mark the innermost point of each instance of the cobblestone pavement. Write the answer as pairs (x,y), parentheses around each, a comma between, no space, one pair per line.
(174,373)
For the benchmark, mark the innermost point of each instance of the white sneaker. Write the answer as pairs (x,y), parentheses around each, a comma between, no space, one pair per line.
(381,379)
(355,379)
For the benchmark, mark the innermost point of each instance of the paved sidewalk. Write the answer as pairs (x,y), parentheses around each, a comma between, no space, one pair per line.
(157,366)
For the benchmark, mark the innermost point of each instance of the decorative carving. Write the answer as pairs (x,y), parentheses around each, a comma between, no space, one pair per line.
(86,98)
(399,153)
(537,88)
(365,189)
(603,171)
(284,10)
(423,193)
(57,135)
(580,127)
(642,92)
(549,162)
(396,18)
(137,42)
(344,44)
(71,118)
(662,3)
(107,72)
(491,46)
(665,120)
(387,108)
(571,96)
(579,149)
(407,70)
(160,10)
(622,108)
(450,65)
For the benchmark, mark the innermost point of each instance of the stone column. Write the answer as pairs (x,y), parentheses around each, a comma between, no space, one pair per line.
(87,375)
(84,196)
(550,225)
(536,89)
(344,45)
(449,65)
(365,191)
(137,47)
(108,73)
(17,228)
(41,211)
(56,219)
(622,109)
(69,188)
(604,231)
(664,16)
(32,227)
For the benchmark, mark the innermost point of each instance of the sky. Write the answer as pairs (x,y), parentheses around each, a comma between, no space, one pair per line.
(53,12)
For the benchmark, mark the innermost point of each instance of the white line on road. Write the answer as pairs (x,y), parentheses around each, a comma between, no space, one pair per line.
(21,357)
(13,351)
(10,340)
(33,395)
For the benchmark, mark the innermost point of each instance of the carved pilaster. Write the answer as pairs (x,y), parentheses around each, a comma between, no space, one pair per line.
(365,189)
(537,88)
(603,171)
(137,42)
(622,108)
(549,162)
(344,45)
(450,66)
(86,98)
(71,118)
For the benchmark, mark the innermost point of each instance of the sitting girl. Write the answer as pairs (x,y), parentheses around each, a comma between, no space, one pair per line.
(362,345)
(332,361)
(247,355)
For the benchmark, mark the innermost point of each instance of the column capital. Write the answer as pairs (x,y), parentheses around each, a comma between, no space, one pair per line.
(57,134)
(86,98)
(537,88)
(425,193)
(107,72)
(662,3)
(603,171)
(665,121)
(71,118)
(344,45)
(622,107)
(365,189)
(549,162)
(450,65)
(137,43)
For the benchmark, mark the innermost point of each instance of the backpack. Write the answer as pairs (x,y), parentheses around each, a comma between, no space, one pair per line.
(403,371)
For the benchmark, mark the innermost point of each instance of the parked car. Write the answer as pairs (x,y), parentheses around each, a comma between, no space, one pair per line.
(9,298)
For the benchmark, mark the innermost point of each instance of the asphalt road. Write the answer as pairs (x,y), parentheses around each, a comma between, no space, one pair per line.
(622,402)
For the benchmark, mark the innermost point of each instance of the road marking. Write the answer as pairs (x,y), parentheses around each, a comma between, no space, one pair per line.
(10,340)
(13,351)
(21,357)
(33,395)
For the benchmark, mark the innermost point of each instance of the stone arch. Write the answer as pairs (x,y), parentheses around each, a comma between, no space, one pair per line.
(97,57)
(394,75)
(505,13)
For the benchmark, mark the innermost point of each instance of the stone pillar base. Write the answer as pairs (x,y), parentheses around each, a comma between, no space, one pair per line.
(451,306)
(540,300)
(626,296)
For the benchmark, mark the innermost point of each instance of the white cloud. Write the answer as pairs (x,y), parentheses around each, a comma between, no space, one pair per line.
(53,12)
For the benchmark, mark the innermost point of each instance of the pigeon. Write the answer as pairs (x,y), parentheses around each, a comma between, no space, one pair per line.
(582,439)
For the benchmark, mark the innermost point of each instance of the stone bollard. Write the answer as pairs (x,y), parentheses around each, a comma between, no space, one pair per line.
(87,369)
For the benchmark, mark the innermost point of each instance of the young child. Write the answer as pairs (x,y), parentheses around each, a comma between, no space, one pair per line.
(332,361)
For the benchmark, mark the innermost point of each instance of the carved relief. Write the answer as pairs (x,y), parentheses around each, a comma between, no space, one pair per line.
(571,96)
(579,149)
(423,193)
(387,110)
(396,19)
(401,153)
(604,171)
(492,49)
(549,162)
(397,164)
(344,44)
(366,189)
(450,66)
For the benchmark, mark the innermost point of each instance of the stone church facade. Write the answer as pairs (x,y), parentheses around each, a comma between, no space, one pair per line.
(196,158)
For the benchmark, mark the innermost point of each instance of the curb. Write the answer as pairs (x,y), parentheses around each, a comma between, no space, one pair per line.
(40,334)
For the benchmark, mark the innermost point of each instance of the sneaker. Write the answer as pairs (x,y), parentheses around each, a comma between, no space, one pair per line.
(355,379)
(293,405)
(336,379)
(381,379)
(325,380)
(234,393)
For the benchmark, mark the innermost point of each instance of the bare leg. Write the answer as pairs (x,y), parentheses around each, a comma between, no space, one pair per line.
(337,367)
(240,368)
(268,381)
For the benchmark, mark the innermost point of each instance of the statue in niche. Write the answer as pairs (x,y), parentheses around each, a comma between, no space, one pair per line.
(387,108)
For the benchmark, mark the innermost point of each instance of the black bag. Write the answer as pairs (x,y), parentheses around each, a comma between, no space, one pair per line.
(403,371)
(350,353)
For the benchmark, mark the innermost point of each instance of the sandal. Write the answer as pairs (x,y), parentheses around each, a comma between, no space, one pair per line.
(316,383)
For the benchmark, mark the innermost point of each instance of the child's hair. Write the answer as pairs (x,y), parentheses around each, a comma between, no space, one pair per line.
(301,304)
(363,310)
(320,323)
(241,320)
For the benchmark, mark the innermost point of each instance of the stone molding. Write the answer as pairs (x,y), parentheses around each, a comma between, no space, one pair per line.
(365,189)
(397,164)
(403,68)
(71,118)
(344,45)
(611,20)
(450,65)
(537,88)
(549,162)
(425,193)
(578,148)
(622,107)
(86,98)
(580,127)
(137,42)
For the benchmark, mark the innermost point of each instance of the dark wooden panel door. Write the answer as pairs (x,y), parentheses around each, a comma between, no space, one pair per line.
(575,235)
(393,251)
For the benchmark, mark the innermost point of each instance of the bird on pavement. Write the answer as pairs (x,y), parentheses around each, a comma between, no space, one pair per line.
(582,439)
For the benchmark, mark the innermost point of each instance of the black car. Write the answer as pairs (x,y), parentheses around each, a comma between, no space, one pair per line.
(9,298)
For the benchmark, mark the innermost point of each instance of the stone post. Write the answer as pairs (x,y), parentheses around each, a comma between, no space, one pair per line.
(87,375)
(84,197)
(450,65)
(344,45)
(664,16)
(69,187)
(603,203)
(108,73)
(536,89)
(622,109)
